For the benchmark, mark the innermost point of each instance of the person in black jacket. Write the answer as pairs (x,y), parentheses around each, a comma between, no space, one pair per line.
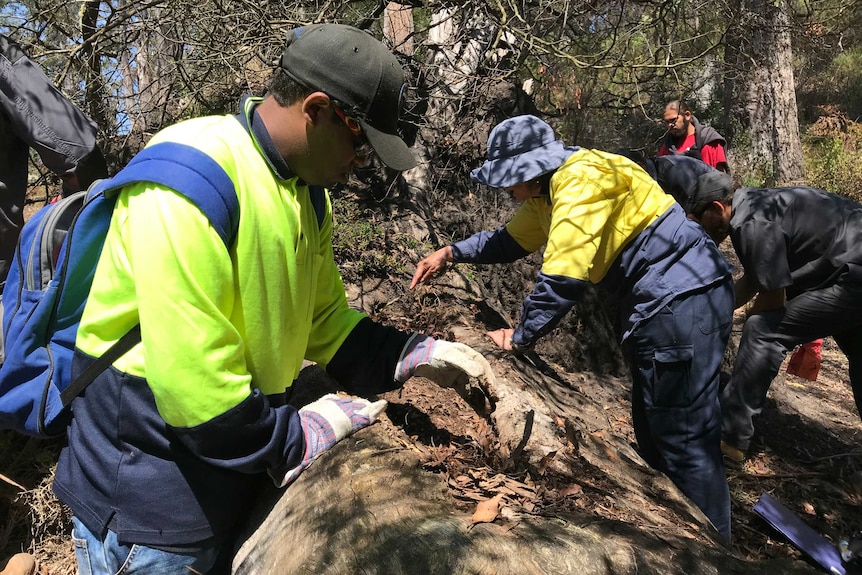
(34,114)
(807,278)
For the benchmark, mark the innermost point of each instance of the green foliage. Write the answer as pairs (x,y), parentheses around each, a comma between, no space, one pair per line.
(833,87)
(758,176)
(362,248)
(834,163)
(846,76)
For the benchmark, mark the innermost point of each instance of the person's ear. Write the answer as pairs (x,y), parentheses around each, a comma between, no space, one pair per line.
(716,207)
(313,105)
(712,211)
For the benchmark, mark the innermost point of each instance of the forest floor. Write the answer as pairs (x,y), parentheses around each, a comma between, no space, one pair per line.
(806,455)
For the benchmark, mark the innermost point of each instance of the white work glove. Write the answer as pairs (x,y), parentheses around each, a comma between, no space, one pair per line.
(327,421)
(449,364)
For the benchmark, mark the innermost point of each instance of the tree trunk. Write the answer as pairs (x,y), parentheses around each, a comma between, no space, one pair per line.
(761,94)
(398,27)
(95,89)
(148,68)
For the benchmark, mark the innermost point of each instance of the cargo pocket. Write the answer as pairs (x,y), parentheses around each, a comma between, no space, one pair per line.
(715,313)
(670,382)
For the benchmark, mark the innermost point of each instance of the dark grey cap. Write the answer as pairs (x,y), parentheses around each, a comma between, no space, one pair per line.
(357,70)
(711,187)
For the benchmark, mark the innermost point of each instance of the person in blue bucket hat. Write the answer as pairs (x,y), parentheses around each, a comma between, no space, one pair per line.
(604,221)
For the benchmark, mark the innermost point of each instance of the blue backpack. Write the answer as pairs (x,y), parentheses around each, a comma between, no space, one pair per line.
(51,273)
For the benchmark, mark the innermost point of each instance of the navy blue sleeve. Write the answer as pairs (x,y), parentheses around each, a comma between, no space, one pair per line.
(488,248)
(365,363)
(552,298)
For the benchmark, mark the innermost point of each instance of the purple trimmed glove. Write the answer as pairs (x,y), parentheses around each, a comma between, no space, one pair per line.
(327,421)
(447,363)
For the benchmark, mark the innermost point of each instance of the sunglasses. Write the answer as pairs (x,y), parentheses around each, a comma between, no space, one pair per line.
(361,146)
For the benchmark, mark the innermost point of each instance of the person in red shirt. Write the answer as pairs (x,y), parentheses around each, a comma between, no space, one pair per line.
(686,135)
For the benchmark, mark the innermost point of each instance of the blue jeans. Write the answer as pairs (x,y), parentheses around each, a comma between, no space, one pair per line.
(106,556)
(675,358)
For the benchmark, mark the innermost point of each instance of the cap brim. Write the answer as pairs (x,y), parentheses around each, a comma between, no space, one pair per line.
(508,172)
(390,148)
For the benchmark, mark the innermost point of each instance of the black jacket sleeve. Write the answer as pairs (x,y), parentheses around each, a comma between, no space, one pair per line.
(365,363)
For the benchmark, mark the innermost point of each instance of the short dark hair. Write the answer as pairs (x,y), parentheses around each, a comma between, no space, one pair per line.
(285,89)
(679,105)
(545,183)
(713,186)
(698,211)
(636,156)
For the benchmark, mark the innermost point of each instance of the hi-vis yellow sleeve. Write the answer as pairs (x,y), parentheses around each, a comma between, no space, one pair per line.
(171,272)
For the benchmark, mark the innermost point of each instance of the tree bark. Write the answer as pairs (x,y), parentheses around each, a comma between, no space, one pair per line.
(398,27)
(761,93)
(95,89)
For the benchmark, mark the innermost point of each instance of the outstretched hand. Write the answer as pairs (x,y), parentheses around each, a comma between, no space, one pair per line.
(502,337)
(431,265)
(449,364)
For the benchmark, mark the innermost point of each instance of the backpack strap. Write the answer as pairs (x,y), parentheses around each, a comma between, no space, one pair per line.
(189,172)
(100,364)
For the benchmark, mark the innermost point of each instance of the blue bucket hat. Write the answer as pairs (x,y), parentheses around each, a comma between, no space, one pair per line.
(520,149)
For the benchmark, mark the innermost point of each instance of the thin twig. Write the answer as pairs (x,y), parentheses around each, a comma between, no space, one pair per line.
(781,475)
(836,456)
(11,482)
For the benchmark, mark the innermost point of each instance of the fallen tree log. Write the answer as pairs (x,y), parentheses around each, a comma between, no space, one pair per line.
(569,496)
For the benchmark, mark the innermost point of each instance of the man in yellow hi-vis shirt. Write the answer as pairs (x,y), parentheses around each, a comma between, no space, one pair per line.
(167,447)
(604,221)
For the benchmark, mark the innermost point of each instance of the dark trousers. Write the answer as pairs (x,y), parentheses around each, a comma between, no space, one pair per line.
(675,358)
(834,310)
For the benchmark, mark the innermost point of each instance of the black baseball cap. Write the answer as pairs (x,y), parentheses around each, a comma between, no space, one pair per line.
(357,71)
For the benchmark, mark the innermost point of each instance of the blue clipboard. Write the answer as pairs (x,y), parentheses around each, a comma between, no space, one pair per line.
(800,534)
